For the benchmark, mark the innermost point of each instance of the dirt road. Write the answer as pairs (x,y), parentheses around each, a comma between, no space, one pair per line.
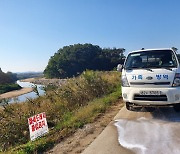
(140,132)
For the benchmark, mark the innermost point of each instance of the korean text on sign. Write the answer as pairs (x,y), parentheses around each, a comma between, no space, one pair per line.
(37,125)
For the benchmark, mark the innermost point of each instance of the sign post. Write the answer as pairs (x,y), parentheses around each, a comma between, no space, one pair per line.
(37,126)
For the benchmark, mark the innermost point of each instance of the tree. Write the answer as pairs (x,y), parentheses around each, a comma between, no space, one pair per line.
(74,59)
(176,49)
(8,77)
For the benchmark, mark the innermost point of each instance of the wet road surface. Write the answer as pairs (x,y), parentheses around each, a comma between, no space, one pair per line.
(141,132)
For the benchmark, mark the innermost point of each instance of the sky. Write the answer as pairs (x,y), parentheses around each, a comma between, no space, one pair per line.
(32,31)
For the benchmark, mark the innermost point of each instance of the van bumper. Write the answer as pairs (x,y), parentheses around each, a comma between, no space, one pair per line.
(168,96)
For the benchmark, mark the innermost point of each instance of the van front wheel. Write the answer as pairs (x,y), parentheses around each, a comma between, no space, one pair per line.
(129,106)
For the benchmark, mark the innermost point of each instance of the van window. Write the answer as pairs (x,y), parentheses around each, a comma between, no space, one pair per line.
(151,59)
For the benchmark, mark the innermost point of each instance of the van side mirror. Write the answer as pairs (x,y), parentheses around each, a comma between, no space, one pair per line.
(119,68)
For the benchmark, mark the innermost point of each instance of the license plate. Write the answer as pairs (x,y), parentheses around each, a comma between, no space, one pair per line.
(150,92)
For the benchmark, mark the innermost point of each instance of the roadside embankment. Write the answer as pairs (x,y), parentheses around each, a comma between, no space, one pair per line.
(79,101)
(83,137)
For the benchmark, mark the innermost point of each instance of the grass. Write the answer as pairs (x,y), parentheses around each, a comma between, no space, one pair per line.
(80,101)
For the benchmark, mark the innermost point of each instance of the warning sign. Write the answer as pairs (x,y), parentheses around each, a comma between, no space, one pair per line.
(37,125)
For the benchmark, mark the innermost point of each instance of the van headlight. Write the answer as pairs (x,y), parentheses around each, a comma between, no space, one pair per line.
(176,82)
(124,81)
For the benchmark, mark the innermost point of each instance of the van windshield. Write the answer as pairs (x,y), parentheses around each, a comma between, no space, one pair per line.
(151,59)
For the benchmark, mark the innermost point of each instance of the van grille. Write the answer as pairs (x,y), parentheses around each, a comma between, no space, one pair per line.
(152,83)
(150,97)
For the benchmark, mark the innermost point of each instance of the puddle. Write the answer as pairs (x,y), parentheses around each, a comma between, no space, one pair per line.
(149,136)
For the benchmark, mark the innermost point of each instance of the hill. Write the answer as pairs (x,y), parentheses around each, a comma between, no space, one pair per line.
(72,60)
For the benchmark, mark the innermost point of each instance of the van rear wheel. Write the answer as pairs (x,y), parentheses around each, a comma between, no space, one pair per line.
(177,107)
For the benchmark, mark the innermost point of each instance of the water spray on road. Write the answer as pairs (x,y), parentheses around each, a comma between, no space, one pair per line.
(149,136)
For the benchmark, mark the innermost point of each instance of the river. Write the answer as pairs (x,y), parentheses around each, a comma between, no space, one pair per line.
(31,95)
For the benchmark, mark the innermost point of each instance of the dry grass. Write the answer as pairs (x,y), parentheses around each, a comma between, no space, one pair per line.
(70,107)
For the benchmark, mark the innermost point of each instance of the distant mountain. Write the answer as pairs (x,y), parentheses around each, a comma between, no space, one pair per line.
(34,72)
(25,75)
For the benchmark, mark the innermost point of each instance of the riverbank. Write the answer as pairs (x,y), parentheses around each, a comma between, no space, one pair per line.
(16,93)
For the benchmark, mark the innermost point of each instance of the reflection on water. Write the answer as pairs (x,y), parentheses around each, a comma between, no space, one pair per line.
(31,95)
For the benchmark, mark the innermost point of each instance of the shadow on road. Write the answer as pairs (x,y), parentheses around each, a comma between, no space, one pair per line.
(167,114)
(160,113)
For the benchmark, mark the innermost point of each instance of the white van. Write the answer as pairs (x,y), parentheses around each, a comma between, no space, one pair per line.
(151,77)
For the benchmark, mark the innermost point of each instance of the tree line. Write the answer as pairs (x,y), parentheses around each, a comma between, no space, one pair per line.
(7,82)
(72,60)
(6,78)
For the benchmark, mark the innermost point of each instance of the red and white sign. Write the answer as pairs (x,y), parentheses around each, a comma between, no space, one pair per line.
(37,125)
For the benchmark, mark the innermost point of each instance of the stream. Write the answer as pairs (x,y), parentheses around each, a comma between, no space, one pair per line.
(31,95)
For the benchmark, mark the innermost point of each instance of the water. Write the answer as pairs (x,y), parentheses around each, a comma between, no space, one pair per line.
(31,95)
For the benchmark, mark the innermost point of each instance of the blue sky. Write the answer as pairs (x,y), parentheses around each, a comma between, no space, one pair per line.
(32,31)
